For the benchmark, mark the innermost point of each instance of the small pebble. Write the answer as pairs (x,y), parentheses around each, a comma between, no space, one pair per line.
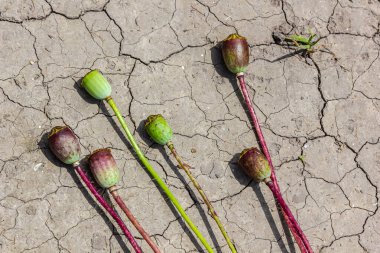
(193,150)
(37,166)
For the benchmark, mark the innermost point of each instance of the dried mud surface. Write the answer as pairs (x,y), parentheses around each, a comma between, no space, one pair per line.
(321,119)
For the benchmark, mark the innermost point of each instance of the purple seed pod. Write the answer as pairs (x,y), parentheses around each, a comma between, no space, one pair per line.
(104,168)
(235,52)
(64,144)
(254,164)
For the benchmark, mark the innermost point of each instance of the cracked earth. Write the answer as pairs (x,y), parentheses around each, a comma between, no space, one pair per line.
(321,119)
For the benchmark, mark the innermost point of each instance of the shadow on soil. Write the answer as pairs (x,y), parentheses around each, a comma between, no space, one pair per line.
(83,93)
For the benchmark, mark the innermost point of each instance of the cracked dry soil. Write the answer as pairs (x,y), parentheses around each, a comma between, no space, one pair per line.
(160,57)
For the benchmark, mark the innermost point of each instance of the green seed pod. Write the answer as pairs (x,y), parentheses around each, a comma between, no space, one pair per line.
(104,168)
(96,85)
(158,129)
(254,164)
(64,144)
(235,52)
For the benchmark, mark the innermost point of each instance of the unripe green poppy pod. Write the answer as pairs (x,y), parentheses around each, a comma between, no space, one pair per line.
(64,144)
(235,51)
(103,167)
(96,85)
(254,164)
(158,129)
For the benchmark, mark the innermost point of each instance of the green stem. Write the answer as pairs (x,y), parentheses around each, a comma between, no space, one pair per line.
(211,209)
(155,175)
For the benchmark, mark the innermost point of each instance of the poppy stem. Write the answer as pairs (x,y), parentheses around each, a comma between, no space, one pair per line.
(292,223)
(211,209)
(288,213)
(132,218)
(156,177)
(108,208)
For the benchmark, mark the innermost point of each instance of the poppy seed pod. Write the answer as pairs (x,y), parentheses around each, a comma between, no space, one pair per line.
(235,52)
(103,167)
(254,164)
(96,85)
(158,129)
(64,144)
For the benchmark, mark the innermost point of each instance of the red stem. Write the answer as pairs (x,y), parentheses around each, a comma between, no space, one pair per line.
(109,209)
(133,219)
(299,240)
(257,127)
(290,220)
(287,212)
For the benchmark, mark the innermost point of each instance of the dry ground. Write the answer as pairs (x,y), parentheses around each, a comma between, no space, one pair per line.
(160,57)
